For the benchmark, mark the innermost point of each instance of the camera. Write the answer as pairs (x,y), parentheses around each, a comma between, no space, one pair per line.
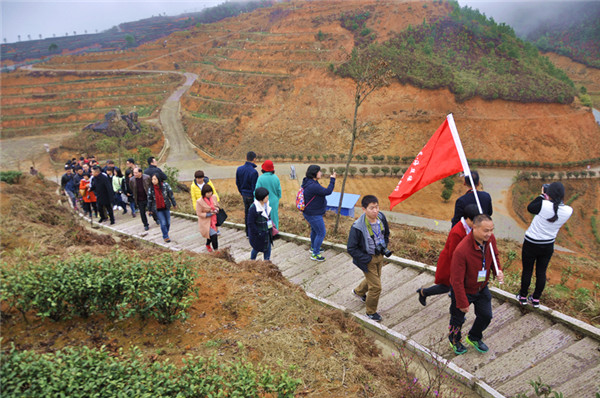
(545,188)
(381,248)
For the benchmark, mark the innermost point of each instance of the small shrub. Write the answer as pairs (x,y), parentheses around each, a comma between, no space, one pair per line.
(363,171)
(446,194)
(375,170)
(11,176)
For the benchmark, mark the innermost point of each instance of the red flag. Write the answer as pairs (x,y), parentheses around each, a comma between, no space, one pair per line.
(441,157)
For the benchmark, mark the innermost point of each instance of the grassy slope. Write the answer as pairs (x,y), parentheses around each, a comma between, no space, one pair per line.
(244,311)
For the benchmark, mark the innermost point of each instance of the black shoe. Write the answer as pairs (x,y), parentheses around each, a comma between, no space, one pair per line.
(422,298)
(458,348)
(124,211)
(362,298)
(146,227)
(534,302)
(112,222)
(375,317)
(102,220)
(522,300)
(478,344)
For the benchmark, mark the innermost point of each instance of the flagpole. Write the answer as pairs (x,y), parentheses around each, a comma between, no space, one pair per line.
(467,171)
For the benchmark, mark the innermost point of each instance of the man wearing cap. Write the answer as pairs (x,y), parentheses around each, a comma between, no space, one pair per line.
(271,182)
(245,179)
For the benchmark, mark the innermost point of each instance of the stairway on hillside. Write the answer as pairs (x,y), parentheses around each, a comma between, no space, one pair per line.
(524,344)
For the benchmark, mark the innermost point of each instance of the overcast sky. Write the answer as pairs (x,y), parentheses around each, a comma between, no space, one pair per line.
(48,17)
(51,17)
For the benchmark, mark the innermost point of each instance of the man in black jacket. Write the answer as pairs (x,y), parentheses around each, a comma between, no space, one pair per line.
(469,198)
(104,194)
(368,239)
(139,184)
(153,169)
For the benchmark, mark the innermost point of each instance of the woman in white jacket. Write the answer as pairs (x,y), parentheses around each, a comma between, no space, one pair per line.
(550,214)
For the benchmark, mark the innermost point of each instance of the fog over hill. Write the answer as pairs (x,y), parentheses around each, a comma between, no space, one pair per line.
(527,16)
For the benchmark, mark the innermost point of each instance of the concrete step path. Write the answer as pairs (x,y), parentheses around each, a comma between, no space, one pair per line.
(524,343)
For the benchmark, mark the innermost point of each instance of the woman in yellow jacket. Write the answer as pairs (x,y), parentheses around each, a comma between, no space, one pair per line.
(196,188)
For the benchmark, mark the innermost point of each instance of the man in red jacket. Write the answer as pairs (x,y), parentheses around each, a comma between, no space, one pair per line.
(469,275)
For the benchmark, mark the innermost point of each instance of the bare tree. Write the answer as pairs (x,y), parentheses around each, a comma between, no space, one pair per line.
(28,37)
(40,35)
(19,37)
(370,73)
(5,40)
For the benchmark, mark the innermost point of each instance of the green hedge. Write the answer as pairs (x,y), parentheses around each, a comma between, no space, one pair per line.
(85,372)
(117,286)
(11,176)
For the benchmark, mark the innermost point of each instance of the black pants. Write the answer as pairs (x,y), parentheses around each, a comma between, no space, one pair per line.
(105,208)
(482,302)
(214,239)
(435,290)
(248,200)
(88,206)
(141,205)
(538,256)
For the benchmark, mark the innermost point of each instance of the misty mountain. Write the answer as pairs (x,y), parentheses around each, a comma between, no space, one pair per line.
(570,28)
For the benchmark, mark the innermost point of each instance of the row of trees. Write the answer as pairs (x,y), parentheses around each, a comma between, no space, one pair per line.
(389,159)
(373,170)
(543,175)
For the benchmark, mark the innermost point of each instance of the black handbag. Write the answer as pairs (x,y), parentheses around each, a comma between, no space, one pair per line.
(221,217)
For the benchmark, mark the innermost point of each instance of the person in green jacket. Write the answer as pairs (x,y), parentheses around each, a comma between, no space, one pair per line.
(270,181)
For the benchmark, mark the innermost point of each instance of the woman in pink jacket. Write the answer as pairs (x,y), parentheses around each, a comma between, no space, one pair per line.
(207,208)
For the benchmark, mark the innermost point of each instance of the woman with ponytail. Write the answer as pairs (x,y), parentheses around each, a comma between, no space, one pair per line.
(550,214)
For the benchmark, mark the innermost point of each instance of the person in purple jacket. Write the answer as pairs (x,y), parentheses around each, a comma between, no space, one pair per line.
(316,205)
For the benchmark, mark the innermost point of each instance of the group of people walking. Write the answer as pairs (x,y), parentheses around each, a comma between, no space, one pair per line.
(468,260)
(102,190)
(465,264)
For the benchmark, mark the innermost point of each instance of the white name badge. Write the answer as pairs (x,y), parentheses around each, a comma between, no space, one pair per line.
(481,276)
(269,224)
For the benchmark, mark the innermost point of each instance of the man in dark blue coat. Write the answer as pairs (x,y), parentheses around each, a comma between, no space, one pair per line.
(469,198)
(104,194)
(245,179)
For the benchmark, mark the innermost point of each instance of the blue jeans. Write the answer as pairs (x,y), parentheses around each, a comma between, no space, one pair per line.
(317,232)
(164,218)
(71,196)
(266,253)
(132,205)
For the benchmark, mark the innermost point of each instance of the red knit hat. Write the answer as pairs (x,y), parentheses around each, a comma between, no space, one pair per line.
(268,166)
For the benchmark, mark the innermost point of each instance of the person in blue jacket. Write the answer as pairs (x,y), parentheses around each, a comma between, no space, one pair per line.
(245,179)
(316,205)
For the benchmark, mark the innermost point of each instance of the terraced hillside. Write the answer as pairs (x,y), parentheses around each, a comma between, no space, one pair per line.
(266,83)
(42,102)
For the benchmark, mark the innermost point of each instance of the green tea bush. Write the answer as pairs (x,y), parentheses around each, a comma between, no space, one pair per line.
(11,176)
(117,286)
(85,372)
